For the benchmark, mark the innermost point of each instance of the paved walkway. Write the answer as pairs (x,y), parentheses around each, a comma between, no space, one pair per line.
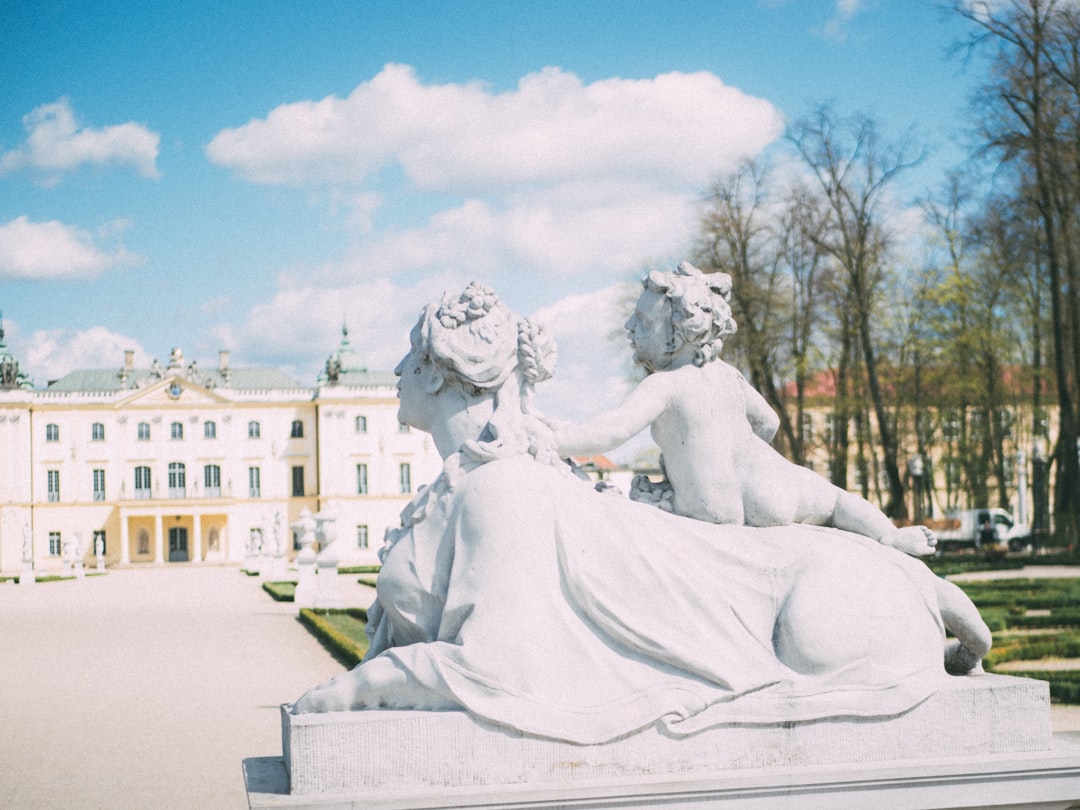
(147,688)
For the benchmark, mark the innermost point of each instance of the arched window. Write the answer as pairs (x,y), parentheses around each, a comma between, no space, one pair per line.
(297,429)
(209,430)
(177,479)
(52,433)
(254,430)
(97,432)
(212,481)
(142,483)
(176,430)
(361,424)
(144,431)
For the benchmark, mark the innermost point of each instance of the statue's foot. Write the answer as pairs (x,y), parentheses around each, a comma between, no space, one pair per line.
(916,540)
(336,695)
(959,660)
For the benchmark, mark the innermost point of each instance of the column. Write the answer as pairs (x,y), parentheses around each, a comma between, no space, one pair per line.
(159,540)
(125,552)
(195,549)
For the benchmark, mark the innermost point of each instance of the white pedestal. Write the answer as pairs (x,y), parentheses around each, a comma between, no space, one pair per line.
(306,584)
(80,570)
(981,741)
(279,569)
(26,575)
(327,592)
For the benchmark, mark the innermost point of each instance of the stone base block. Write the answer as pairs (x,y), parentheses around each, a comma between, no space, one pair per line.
(392,750)
(1047,780)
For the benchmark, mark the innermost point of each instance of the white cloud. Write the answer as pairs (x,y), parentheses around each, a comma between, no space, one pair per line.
(56,144)
(552,128)
(54,250)
(49,354)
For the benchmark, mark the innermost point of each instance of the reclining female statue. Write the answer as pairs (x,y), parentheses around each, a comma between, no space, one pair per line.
(518,593)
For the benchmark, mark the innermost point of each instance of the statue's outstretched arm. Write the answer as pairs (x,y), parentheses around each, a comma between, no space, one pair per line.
(609,430)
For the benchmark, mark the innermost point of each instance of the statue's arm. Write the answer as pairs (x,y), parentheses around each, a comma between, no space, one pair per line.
(609,430)
(762,418)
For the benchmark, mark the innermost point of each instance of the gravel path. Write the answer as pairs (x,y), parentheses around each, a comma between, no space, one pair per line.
(147,688)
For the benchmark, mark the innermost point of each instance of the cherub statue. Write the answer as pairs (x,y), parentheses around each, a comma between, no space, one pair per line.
(713,428)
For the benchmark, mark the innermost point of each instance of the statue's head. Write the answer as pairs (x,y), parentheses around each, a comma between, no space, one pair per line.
(679,308)
(475,345)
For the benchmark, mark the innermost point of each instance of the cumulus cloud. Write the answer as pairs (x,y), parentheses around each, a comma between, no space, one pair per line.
(49,354)
(55,250)
(55,144)
(551,128)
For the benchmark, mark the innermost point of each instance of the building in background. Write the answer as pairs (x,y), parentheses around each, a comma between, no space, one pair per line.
(177,464)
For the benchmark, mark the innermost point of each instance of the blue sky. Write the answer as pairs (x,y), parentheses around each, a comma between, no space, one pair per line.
(250,175)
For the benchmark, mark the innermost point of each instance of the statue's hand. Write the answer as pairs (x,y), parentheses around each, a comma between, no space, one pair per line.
(915,540)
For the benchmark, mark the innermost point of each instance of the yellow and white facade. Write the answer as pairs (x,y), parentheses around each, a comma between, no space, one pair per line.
(175,465)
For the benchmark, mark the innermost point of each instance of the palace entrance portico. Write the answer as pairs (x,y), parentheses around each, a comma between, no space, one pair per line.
(161,534)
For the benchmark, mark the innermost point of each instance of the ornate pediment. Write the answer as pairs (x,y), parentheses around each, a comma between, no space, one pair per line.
(173,389)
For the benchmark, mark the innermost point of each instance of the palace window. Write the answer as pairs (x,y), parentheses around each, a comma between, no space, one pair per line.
(298,482)
(212,481)
(209,430)
(97,432)
(361,424)
(55,546)
(52,433)
(142,483)
(254,485)
(177,479)
(99,485)
(362,536)
(254,430)
(176,430)
(405,476)
(144,431)
(52,479)
(361,479)
(402,428)
(297,431)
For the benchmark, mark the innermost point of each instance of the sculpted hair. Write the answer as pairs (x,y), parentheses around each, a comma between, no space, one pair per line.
(483,347)
(700,307)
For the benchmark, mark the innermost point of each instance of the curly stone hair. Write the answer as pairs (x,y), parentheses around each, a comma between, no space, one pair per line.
(483,347)
(700,307)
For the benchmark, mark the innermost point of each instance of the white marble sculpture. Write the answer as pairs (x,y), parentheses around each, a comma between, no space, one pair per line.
(516,592)
(26,575)
(327,592)
(279,566)
(305,560)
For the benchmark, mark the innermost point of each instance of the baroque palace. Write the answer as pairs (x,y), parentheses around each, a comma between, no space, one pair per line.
(179,464)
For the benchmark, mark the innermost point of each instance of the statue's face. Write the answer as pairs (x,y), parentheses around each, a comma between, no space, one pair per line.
(650,331)
(414,400)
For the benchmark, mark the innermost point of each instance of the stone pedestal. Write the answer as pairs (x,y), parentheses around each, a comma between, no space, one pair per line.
(279,568)
(327,592)
(981,741)
(80,570)
(26,575)
(305,561)
(100,564)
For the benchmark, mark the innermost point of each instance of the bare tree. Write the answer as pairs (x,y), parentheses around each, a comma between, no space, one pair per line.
(854,170)
(1030,123)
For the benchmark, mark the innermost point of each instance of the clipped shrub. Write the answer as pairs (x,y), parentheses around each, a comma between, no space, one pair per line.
(281,591)
(341,632)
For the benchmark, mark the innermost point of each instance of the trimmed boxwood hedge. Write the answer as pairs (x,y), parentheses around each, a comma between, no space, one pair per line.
(340,631)
(281,591)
